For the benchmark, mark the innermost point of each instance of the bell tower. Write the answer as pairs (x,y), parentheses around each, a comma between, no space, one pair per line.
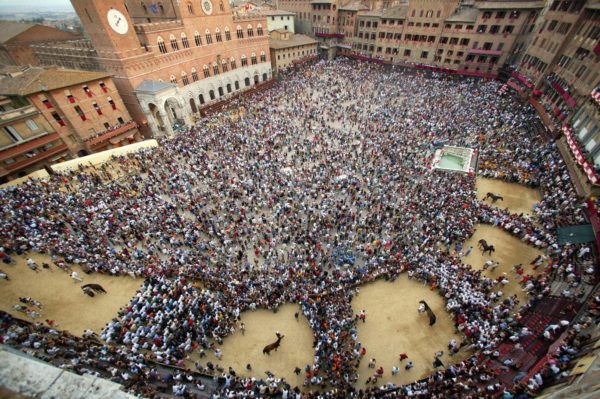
(109,27)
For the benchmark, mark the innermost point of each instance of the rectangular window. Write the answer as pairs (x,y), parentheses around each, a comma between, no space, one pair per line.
(424,54)
(13,134)
(80,112)
(58,119)
(31,125)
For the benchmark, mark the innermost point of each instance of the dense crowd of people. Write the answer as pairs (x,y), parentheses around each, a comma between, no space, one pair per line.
(256,202)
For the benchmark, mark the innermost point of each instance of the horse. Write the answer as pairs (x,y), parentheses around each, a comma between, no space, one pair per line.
(488,248)
(94,287)
(267,350)
(482,243)
(425,306)
(494,197)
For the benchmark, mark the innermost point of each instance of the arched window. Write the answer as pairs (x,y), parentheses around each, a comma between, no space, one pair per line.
(190,8)
(237,84)
(429,14)
(197,39)
(174,44)
(144,8)
(161,45)
(208,37)
(224,66)
(250,31)
(206,71)
(253,58)
(194,75)
(227,33)
(161,8)
(240,32)
(221,6)
(259,30)
(184,78)
(211,94)
(218,35)
(184,40)
(263,57)
(232,63)
(215,68)
(173,79)
(244,61)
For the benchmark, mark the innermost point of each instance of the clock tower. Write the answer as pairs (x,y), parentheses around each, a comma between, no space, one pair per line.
(109,27)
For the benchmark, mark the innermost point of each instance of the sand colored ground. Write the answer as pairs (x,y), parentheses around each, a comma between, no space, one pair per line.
(61,296)
(517,198)
(393,326)
(296,348)
(510,251)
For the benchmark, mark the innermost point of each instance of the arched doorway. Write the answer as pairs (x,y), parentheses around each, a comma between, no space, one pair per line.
(221,92)
(237,85)
(154,111)
(211,94)
(174,111)
(247,81)
(265,77)
(256,79)
(82,153)
(193,105)
(201,99)
(228,87)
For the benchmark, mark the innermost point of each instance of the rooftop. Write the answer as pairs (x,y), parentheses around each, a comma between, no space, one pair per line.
(9,29)
(293,41)
(356,6)
(154,86)
(278,12)
(35,80)
(509,5)
(464,15)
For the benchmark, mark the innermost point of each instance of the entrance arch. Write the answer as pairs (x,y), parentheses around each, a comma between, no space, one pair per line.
(174,111)
(247,81)
(256,79)
(156,115)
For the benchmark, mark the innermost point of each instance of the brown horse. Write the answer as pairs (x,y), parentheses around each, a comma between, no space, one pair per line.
(267,350)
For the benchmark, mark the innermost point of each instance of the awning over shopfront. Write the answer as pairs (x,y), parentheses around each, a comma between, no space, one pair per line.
(578,155)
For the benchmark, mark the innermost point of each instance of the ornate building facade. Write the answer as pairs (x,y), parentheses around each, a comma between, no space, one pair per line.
(170,59)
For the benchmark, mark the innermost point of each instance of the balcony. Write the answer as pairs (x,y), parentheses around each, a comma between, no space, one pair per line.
(485,52)
(98,139)
(26,146)
(37,158)
(330,35)
(17,113)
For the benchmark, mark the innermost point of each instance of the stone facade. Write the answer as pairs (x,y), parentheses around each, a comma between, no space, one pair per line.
(202,50)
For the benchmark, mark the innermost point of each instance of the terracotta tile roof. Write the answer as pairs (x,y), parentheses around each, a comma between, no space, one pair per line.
(296,40)
(9,29)
(35,80)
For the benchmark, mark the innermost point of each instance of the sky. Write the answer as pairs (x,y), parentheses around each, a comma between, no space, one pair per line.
(42,5)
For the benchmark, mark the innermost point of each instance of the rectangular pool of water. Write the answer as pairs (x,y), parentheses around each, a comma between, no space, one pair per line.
(455,159)
(452,162)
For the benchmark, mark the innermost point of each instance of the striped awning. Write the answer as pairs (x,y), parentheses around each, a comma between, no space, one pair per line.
(579,157)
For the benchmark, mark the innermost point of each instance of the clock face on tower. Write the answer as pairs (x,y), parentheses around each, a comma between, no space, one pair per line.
(117,21)
(207,6)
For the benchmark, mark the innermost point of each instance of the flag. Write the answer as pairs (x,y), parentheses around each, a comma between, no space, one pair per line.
(154,8)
